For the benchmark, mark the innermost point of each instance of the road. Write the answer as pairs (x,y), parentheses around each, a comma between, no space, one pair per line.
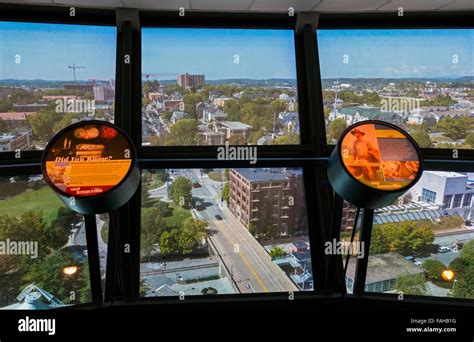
(102,245)
(247,261)
(449,241)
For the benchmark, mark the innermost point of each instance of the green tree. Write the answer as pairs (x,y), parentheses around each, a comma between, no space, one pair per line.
(67,120)
(225,193)
(42,123)
(3,126)
(289,139)
(433,269)
(166,115)
(335,128)
(184,132)
(169,243)
(277,252)
(455,128)
(162,208)
(48,274)
(232,108)
(422,138)
(279,106)
(144,192)
(56,234)
(190,102)
(181,191)
(470,139)
(152,228)
(411,284)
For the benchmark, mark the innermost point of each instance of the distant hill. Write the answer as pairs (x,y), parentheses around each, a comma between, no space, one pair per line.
(41,83)
(465,80)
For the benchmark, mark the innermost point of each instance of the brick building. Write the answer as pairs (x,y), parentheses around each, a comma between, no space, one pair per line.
(268,199)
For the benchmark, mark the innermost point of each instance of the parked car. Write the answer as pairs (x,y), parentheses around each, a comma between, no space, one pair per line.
(418,263)
(410,258)
(443,249)
(218,217)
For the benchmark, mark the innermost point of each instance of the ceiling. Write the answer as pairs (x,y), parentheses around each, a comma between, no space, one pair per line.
(267,5)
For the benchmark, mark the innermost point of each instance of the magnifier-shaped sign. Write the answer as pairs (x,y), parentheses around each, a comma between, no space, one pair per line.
(373,163)
(92,167)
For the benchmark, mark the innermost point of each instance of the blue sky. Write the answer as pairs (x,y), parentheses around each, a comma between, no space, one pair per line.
(47,49)
(396,53)
(262,54)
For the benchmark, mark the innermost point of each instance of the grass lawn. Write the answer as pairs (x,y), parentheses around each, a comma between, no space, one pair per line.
(447,222)
(43,199)
(176,219)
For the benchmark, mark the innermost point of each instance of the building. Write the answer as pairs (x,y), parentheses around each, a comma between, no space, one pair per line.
(14,141)
(84,87)
(268,198)
(220,101)
(186,80)
(349,213)
(172,104)
(15,119)
(382,272)
(451,190)
(207,136)
(233,129)
(104,93)
(32,107)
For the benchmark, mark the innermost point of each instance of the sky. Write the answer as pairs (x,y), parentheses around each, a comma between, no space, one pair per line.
(46,50)
(396,53)
(219,53)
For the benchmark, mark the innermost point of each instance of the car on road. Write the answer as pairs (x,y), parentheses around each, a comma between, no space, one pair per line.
(443,249)
(218,217)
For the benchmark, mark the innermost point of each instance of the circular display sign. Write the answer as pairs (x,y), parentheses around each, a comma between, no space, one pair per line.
(373,163)
(92,166)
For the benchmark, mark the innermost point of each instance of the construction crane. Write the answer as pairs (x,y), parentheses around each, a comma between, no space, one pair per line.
(74,67)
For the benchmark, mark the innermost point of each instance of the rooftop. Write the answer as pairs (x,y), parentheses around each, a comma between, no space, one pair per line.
(267,174)
(384,267)
(235,125)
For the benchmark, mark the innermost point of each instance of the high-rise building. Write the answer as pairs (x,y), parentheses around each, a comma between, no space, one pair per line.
(268,199)
(186,80)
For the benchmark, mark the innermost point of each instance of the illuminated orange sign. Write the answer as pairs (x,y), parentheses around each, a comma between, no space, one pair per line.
(380,156)
(87,159)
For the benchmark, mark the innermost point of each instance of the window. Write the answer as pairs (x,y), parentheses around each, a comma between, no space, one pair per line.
(43,247)
(457,200)
(51,76)
(428,196)
(438,243)
(418,79)
(467,200)
(197,237)
(217,86)
(447,201)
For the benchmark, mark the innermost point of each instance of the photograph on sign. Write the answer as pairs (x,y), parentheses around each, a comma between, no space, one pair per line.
(380,156)
(88,159)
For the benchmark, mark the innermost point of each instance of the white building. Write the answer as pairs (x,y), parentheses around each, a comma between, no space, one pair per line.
(453,190)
